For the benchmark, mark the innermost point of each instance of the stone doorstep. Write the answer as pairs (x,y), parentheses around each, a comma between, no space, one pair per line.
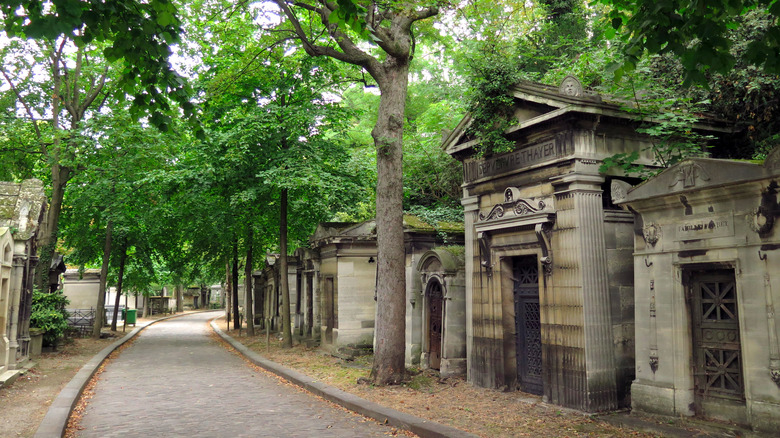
(8,377)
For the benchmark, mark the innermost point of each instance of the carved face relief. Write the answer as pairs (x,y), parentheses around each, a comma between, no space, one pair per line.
(571,87)
(651,234)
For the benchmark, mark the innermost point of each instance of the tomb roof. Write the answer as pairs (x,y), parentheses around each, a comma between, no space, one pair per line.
(694,174)
(537,104)
(21,207)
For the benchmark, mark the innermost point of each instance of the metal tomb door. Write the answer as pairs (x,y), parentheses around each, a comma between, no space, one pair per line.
(528,327)
(435,313)
(716,344)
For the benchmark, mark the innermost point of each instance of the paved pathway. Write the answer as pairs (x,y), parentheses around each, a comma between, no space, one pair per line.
(175,381)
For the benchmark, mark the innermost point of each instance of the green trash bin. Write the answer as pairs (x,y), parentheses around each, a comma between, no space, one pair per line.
(130,317)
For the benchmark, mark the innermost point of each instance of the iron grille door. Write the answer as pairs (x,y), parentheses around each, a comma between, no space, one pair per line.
(528,327)
(716,342)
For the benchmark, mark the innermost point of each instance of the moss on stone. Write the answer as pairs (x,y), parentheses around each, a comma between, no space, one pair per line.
(456,250)
(417,224)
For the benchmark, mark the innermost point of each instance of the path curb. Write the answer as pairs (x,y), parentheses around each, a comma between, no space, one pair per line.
(56,420)
(382,414)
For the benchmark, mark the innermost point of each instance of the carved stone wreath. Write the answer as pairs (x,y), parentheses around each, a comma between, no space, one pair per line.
(760,220)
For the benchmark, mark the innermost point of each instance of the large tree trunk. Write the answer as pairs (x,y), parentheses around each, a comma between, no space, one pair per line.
(100,311)
(390,331)
(234,283)
(48,237)
(179,298)
(249,310)
(122,259)
(284,282)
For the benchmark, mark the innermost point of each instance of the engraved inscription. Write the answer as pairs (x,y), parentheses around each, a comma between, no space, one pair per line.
(706,227)
(513,160)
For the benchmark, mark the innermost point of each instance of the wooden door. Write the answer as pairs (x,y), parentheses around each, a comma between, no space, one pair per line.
(528,327)
(329,309)
(716,342)
(435,319)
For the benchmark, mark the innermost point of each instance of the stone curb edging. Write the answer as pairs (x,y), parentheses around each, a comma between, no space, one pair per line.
(382,414)
(56,420)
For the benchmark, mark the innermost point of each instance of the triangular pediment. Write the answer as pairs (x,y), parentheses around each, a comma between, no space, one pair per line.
(696,174)
(535,103)
(328,231)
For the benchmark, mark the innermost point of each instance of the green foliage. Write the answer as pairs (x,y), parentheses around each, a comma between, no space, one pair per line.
(490,106)
(695,33)
(49,314)
(147,76)
(437,214)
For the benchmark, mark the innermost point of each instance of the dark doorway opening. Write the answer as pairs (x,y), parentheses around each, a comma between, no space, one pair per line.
(435,318)
(528,327)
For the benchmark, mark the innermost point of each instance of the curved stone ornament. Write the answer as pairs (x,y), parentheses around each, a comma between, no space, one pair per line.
(523,207)
(760,220)
(689,174)
(619,190)
(544,242)
(517,206)
(496,212)
(651,233)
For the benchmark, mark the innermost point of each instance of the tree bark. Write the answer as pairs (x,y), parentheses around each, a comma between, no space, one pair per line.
(391,28)
(100,311)
(284,282)
(48,238)
(179,298)
(234,282)
(122,259)
(249,311)
(390,329)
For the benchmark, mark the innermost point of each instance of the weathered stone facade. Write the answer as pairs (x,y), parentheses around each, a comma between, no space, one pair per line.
(549,286)
(707,276)
(346,257)
(436,314)
(22,207)
(267,295)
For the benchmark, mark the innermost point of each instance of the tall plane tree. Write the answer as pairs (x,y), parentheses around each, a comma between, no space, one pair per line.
(339,30)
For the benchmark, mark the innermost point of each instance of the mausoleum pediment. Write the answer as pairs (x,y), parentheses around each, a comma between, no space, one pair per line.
(22,206)
(695,174)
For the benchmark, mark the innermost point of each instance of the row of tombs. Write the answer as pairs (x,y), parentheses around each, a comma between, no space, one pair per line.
(594,290)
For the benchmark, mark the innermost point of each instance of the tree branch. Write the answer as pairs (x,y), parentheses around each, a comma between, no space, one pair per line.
(21,100)
(350,54)
(93,93)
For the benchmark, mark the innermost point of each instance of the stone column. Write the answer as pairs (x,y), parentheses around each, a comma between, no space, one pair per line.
(471,209)
(15,298)
(581,367)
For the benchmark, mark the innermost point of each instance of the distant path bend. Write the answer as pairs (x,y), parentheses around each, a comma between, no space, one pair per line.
(175,381)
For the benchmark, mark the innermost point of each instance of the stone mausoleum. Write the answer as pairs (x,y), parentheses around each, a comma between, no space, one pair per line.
(707,277)
(22,207)
(548,265)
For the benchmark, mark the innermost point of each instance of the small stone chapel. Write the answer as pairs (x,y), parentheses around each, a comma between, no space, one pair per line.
(707,277)
(22,208)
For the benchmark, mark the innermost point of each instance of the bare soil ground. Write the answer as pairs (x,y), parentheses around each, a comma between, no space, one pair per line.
(451,401)
(24,403)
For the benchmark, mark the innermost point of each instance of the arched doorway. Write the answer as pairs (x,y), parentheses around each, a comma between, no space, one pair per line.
(435,299)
